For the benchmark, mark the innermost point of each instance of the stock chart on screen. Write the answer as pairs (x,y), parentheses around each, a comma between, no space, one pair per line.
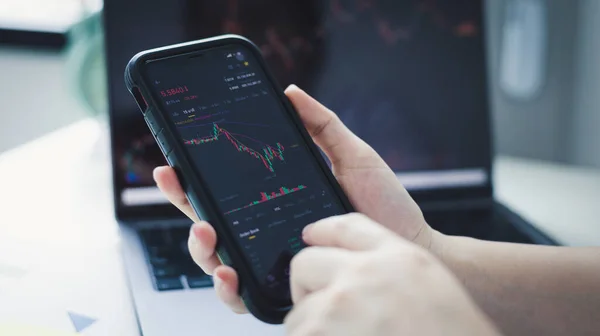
(266,154)
(406,76)
(251,156)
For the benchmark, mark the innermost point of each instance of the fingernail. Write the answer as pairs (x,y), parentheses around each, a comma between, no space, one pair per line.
(306,230)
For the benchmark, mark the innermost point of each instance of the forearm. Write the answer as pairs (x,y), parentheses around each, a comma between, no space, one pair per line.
(529,290)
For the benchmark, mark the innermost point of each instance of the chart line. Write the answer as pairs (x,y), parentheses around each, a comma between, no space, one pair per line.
(223,122)
(267,154)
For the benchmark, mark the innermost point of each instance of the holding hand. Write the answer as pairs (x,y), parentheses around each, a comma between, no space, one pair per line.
(360,278)
(369,183)
(375,279)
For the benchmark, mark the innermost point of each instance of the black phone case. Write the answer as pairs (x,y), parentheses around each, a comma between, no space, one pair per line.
(204,205)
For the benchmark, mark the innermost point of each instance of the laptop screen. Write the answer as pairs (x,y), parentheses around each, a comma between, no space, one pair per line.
(407,76)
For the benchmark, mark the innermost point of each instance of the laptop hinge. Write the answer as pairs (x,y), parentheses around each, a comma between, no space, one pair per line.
(465,204)
(158,223)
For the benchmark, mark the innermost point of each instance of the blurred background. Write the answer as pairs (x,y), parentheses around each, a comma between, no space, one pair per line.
(59,209)
(543,65)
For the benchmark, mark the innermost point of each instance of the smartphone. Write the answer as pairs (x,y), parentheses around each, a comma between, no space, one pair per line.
(245,160)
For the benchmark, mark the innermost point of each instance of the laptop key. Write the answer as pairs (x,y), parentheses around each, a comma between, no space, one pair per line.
(159,261)
(160,251)
(180,234)
(164,284)
(192,270)
(153,237)
(166,271)
(199,281)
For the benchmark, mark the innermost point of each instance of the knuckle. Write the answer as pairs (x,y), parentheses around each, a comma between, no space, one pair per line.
(326,125)
(362,266)
(340,297)
(340,226)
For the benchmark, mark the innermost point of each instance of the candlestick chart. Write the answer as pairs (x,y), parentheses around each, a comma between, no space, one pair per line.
(265,197)
(266,154)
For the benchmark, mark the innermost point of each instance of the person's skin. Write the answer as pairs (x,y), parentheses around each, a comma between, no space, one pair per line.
(359,278)
(524,289)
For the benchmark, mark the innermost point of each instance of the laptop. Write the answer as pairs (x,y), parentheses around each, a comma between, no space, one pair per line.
(409,77)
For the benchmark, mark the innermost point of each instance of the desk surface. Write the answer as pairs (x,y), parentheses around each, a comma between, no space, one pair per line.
(59,243)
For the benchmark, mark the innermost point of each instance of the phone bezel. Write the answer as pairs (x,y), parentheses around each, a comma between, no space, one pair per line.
(204,204)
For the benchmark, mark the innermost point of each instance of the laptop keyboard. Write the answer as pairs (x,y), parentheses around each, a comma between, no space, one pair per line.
(169,261)
(172,268)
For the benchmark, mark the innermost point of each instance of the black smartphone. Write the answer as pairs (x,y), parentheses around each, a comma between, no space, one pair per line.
(245,160)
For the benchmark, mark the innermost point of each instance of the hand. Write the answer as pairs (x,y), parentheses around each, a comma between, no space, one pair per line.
(369,183)
(359,278)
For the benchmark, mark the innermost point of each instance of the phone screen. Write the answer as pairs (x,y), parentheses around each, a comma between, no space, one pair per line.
(249,152)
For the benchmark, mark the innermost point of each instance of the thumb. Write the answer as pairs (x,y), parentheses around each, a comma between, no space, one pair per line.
(324,126)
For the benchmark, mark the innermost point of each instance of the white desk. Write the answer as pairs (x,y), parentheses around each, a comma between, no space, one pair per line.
(59,241)
(561,200)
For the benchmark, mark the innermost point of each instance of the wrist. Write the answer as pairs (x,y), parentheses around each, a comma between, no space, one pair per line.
(437,244)
(430,239)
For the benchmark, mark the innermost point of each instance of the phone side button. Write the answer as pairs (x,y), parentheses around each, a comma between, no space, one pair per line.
(162,142)
(171,159)
(151,122)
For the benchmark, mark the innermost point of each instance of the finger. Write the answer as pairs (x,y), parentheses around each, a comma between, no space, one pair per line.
(226,286)
(201,244)
(168,183)
(324,126)
(352,231)
(304,315)
(314,268)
